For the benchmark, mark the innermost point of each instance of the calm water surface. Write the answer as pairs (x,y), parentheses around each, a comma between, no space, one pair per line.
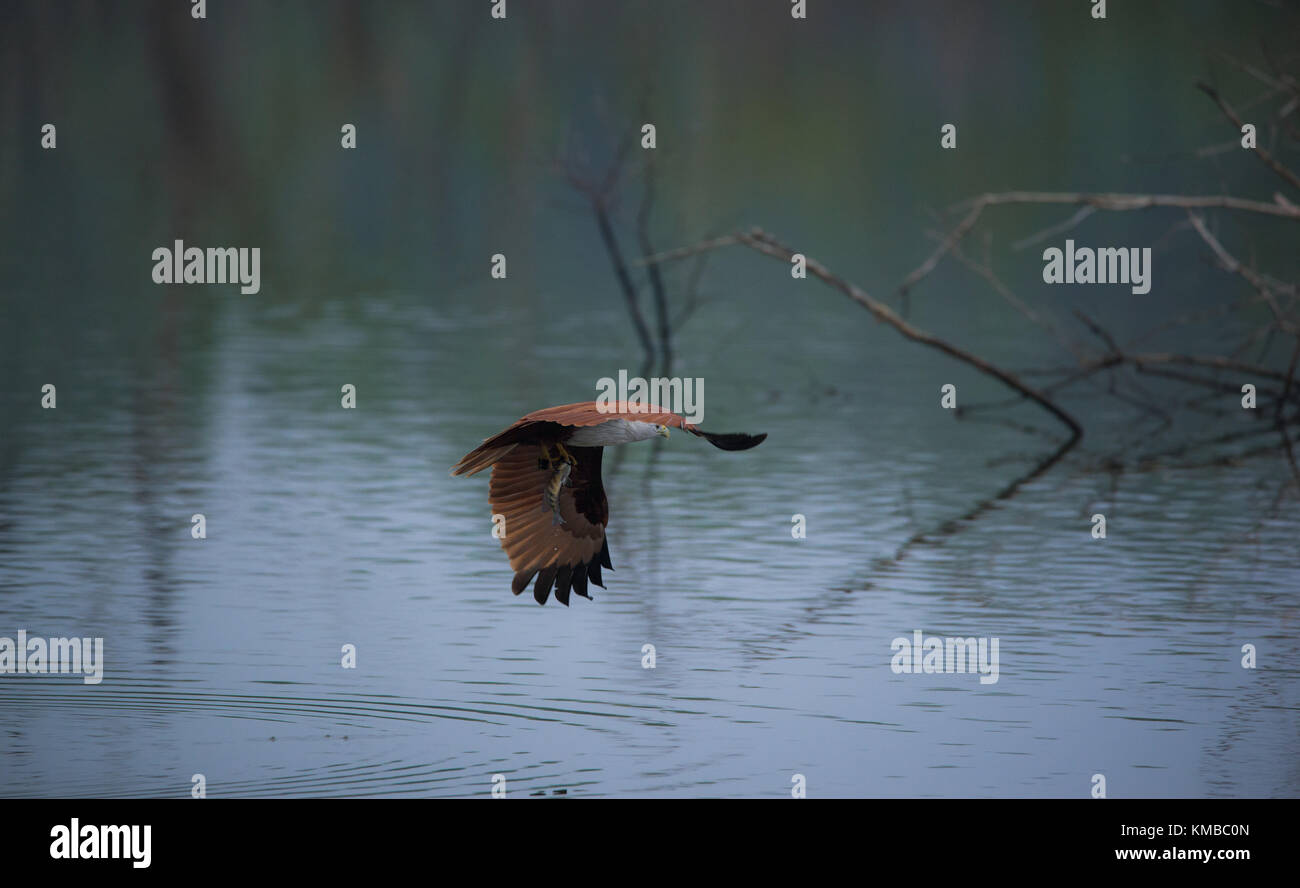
(329,527)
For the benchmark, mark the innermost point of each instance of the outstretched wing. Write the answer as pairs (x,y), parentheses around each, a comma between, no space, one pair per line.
(563,555)
(523,431)
(590,413)
(552,424)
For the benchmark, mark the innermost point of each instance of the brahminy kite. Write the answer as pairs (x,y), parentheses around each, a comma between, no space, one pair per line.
(546,485)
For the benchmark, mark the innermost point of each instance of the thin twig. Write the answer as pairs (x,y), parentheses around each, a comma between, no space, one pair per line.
(1113,202)
(1230,263)
(1269,160)
(624,280)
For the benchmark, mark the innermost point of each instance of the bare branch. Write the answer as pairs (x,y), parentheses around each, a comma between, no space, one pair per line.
(1127,202)
(759,240)
(1113,202)
(653,272)
(1230,263)
(1269,161)
(610,240)
(1051,231)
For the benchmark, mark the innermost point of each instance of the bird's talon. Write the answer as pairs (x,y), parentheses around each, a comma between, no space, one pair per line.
(547,461)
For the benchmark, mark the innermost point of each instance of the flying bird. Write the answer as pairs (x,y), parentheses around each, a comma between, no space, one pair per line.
(546,484)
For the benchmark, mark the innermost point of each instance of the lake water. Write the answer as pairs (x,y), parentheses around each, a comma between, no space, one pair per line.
(328,527)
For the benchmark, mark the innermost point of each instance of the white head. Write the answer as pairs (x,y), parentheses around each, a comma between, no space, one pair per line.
(617,431)
(644,431)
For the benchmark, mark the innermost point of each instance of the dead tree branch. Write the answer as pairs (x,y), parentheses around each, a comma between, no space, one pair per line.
(759,240)
(1268,159)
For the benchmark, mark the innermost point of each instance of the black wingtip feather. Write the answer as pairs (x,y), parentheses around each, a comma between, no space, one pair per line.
(542,590)
(732,440)
(604,555)
(521,581)
(563,580)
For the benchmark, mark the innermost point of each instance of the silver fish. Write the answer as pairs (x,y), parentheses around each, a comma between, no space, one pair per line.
(551,493)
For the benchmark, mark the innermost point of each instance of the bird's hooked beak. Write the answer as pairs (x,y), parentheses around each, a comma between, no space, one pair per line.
(663,430)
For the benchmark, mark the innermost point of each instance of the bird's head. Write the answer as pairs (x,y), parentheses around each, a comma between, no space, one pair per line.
(661,431)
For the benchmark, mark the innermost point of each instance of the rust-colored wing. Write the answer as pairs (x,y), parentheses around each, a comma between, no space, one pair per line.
(564,555)
(590,413)
(551,425)
(524,431)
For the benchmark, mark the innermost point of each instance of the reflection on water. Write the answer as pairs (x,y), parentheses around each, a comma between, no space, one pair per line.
(329,527)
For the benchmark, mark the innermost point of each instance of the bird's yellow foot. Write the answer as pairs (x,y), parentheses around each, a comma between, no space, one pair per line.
(565,454)
(546,461)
